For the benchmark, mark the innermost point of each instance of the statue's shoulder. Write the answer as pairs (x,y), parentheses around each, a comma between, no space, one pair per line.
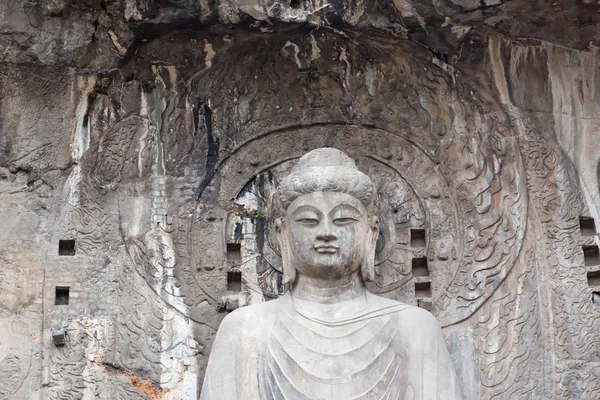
(410,317)
(416,322)
(249,318)
(420,317)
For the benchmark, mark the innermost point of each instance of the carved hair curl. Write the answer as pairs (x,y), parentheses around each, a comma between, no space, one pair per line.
(326,170)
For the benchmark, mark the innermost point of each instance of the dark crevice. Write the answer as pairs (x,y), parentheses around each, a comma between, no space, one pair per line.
(15,169)
(307,70)
(261,223)
(440,56)
(90,104)
(212,153)
(110,366)
(238,233)
(96,24)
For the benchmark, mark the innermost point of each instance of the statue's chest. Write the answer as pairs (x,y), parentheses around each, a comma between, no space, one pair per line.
(306,360)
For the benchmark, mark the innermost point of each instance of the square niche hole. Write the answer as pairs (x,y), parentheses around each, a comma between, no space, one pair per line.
(587,226)
(234,281)
(234,252)
(417,238)
(591,255)
(419,266)
(61,297)
(66,247)
(593,278)
(422,289)
(596,298)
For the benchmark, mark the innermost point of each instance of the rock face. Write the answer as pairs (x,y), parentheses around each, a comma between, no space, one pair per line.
(140,142)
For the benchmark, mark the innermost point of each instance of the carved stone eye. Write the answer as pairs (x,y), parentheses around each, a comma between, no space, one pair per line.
(344,221)
(308,221)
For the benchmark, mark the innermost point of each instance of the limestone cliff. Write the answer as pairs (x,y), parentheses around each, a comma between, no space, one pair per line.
(140,141)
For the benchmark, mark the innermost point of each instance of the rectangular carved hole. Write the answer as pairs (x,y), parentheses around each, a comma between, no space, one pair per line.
(596,298)
(61,296)
(234,281)
(593,278)
(591,255)
(59,337)
(587,226)
(419,266)
(234,252)
(417,238)
(66,247)
(422,289)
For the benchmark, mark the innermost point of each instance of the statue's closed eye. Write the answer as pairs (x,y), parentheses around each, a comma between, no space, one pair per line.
(345,214)
(307,221)
(344,220)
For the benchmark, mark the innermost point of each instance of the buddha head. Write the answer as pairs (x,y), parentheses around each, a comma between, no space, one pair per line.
(327,228)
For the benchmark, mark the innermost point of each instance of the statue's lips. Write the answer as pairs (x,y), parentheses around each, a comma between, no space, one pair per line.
(326,248)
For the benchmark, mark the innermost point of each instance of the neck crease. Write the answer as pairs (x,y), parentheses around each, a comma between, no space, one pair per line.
(329,291)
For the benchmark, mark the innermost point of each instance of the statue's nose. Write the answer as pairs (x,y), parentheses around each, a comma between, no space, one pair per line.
(326,233)
(327,236)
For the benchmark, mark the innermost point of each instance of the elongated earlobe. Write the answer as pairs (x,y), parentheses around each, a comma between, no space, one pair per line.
(289,272)
(367,267)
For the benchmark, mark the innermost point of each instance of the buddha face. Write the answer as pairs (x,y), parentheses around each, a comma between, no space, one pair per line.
(327,234)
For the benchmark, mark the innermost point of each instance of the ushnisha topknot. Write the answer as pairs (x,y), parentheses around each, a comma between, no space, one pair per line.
(327,170)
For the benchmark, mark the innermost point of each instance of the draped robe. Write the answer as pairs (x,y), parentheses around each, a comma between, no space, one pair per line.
(274,351)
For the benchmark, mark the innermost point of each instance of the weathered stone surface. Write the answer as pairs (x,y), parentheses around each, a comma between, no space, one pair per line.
(328,337)
(98,34)
(153,133)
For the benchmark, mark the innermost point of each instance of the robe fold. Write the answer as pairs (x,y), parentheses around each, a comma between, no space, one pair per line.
(272,351)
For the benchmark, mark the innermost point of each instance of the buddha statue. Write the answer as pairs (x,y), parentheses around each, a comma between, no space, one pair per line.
(328,338)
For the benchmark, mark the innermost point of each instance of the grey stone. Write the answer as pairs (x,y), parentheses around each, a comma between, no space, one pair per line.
(479,129)
(328,337)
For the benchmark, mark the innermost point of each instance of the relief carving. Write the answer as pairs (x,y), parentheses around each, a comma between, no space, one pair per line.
(170,204)
(328,337)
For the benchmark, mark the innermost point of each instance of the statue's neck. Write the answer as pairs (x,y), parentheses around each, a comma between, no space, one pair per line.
(329,291)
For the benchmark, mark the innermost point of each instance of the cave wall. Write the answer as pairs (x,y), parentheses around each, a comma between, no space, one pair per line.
(155,149)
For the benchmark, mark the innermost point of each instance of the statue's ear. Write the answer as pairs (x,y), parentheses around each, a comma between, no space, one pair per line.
(367,267)
(289,271)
